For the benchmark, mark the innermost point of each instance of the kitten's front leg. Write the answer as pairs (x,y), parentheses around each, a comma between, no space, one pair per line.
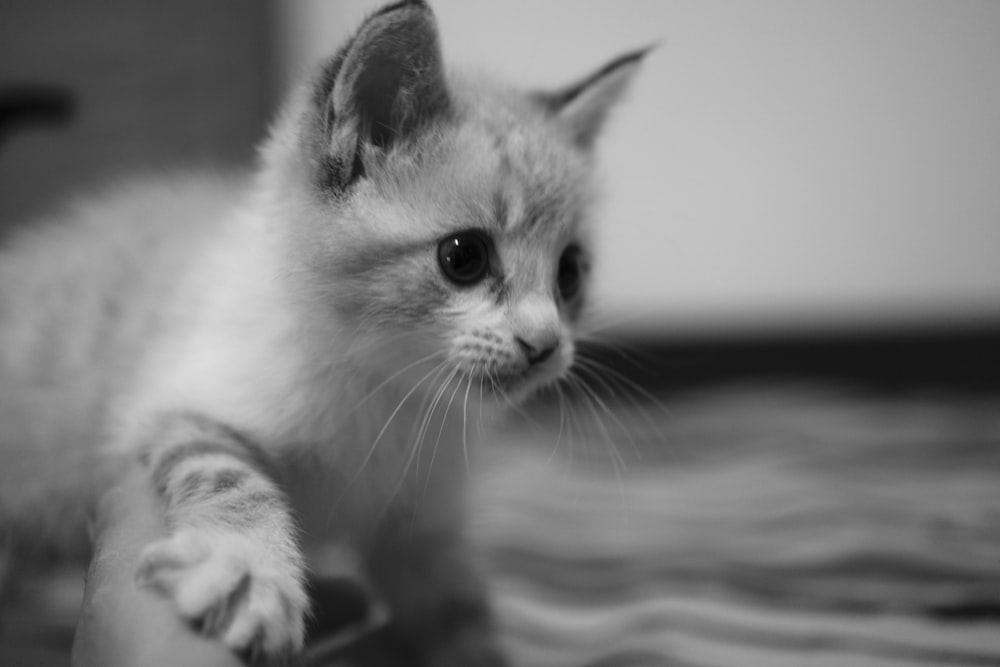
(438,599)
(230,563)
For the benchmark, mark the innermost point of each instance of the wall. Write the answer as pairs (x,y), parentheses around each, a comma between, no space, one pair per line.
(157,86)
(779,164)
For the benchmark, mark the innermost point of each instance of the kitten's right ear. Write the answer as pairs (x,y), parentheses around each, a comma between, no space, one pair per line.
(383,87)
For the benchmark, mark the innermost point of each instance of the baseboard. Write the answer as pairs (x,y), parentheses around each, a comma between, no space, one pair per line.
(961,359)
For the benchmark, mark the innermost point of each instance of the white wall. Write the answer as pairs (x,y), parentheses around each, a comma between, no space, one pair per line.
(779,162)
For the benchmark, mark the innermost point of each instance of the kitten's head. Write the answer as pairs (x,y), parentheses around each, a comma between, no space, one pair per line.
(444,219)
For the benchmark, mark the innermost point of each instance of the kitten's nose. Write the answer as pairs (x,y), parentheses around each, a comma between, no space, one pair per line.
(538,351)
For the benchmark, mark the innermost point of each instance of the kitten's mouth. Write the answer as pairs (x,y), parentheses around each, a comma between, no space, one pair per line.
(499,384)
(515,386)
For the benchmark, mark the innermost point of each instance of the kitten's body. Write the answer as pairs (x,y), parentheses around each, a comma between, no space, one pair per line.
(84,298)
(285,356)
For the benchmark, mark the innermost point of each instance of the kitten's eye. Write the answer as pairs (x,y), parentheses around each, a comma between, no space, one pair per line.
(464,257)
(569,278)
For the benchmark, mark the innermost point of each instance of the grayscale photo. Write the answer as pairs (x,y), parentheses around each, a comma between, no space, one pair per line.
(437,333)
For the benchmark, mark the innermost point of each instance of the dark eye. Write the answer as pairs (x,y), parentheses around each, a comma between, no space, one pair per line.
(569,278)
(464,257)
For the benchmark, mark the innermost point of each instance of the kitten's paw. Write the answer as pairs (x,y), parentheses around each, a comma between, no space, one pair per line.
(232,588)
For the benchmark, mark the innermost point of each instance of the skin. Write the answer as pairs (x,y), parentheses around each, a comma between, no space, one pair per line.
(122,625)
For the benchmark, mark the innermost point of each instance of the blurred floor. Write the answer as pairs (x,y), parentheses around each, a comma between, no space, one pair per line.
(753,526)
(38,618)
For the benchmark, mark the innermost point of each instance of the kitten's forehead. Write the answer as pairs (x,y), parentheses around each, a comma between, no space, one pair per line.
(541,182)
(540,174)
(498,173)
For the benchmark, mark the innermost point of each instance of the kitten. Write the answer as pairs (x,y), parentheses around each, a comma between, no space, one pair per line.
(303,359)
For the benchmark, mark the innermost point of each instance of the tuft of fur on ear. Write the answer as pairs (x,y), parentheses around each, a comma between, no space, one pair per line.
(583,106)
(388,83)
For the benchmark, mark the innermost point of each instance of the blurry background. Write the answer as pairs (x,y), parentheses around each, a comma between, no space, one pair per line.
(779,166)
(154,85)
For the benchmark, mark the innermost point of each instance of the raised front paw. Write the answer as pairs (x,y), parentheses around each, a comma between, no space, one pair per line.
(231,587)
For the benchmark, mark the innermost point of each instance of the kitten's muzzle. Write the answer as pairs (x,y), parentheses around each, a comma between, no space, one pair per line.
(538,351)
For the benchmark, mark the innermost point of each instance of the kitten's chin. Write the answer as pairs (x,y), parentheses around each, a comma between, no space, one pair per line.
(518,388)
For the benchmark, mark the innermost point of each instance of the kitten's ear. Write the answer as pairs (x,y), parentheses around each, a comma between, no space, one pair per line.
(584,105)
(389,83)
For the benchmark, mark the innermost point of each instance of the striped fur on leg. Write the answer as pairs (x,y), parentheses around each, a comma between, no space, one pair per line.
(231,563)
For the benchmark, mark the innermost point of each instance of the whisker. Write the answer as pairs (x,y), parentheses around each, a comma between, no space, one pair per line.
(618,464)
(426,422)
(371,450)
(635,406)
(428,413)
(437,441)
(637,359)
(521,412)
(600,320)
(603,405)
(562,422)
(385,427)
(590,396)
(574,420)
(624,381)
(465,414)
(482,379)
(392,377)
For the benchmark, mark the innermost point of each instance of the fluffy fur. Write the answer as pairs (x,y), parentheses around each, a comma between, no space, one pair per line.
(286,357)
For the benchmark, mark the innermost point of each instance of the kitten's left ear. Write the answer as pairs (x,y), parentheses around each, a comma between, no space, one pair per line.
(583,106)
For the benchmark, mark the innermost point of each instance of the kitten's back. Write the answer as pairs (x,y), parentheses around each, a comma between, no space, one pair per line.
(81,296)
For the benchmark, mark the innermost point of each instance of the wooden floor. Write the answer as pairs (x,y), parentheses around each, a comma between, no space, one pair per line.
(782,526)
